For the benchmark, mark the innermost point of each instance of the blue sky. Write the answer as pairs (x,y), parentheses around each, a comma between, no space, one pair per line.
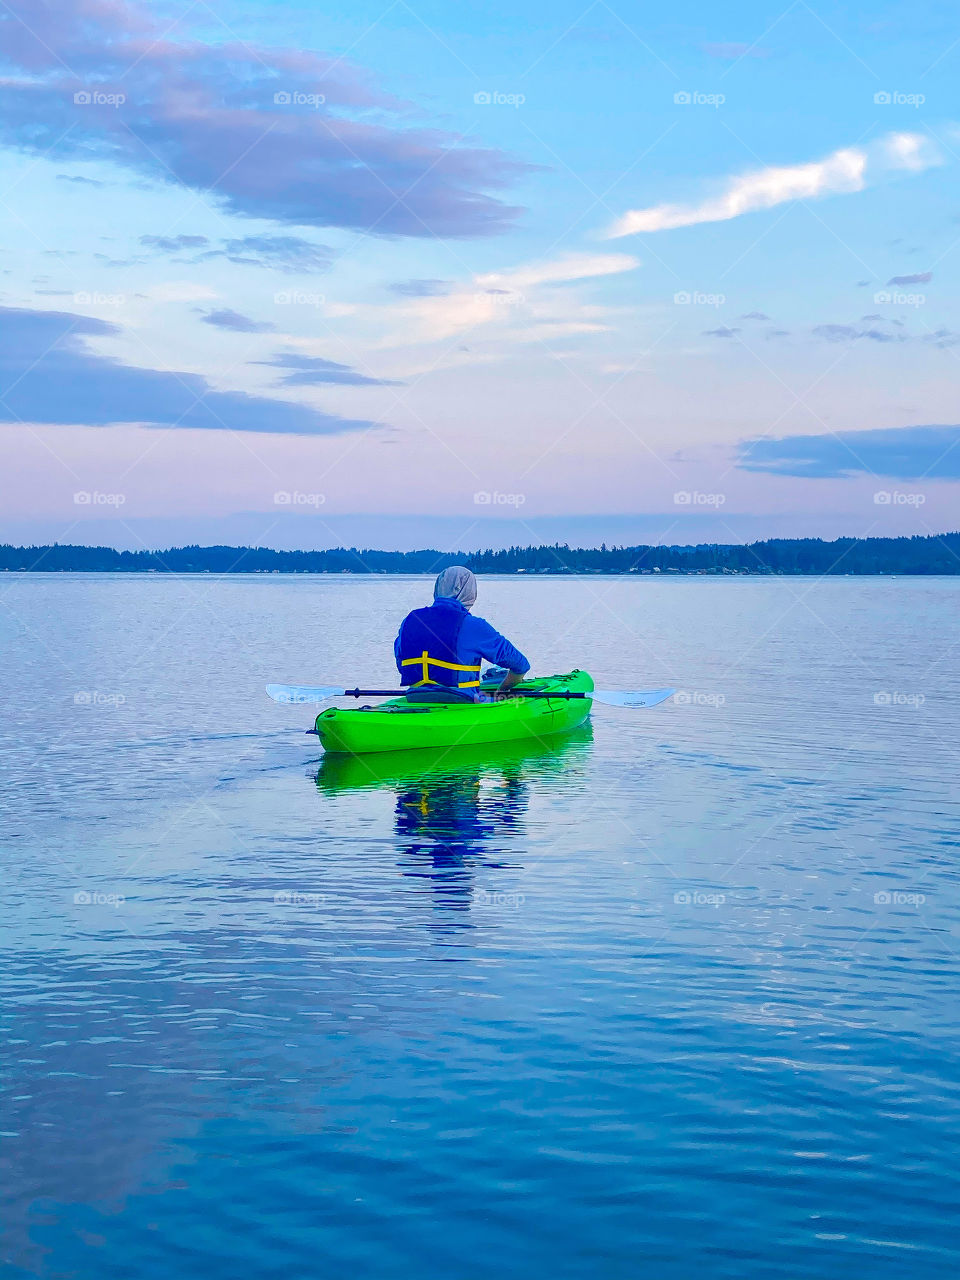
(422,273)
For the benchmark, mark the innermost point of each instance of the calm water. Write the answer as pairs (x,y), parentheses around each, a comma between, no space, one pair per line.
(675,998)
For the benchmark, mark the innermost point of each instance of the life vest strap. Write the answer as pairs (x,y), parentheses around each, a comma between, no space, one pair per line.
(425,662)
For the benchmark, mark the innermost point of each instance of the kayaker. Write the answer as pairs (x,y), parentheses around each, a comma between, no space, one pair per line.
(445,644)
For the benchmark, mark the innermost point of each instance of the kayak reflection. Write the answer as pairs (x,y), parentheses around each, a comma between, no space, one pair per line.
(457,810)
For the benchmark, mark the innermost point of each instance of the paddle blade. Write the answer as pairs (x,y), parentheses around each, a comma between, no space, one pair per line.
(300,693)
(631,697)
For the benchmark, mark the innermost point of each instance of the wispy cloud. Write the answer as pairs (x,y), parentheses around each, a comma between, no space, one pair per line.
(919,277)
(840,172)
(281,253)
(314,371)
(236,322)
(421,288)
(527,300)
(903,453)
(49,374)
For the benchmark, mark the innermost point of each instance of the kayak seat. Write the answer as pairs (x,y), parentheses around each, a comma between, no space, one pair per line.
(439,695)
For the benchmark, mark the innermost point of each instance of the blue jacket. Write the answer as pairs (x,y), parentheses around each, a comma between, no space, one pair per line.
(455,644)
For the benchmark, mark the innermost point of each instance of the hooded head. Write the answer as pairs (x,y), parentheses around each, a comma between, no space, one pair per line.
(456,583)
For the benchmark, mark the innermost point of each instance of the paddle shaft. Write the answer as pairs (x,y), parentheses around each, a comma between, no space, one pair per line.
(522,693)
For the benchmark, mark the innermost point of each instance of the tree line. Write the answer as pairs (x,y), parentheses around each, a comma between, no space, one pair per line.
(938,554)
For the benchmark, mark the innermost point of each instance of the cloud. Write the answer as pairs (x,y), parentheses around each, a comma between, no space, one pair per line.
(79,179)
(289,135)
(733,52)
(238,323)
(563,270)
(841,172)
(850,333)
(312,371)
(942,338)
(502,298)
(755,315)
(282,253)
(422,288)
(173,244)
(48,374)
(722,332)
(902,453)
(920,277)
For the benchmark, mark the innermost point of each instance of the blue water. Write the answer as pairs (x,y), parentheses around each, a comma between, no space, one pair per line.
(675,997)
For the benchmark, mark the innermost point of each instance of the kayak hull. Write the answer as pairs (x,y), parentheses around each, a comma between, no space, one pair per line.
(398,725)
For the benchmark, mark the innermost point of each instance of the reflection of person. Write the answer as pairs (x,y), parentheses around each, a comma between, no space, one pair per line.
(444,644)
(446,825)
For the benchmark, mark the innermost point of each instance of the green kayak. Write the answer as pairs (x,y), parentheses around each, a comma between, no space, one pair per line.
(404,724)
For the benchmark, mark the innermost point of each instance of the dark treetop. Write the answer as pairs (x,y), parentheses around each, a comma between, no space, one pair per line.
(939,554)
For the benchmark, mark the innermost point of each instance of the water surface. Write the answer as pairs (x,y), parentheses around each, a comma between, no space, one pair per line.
(674,996)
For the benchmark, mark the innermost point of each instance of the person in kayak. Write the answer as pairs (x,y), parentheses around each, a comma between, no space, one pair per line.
(444,644)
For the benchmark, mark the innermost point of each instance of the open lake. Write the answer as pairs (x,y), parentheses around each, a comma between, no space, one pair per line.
(675,997)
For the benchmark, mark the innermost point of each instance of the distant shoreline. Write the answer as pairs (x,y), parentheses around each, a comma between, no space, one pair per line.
(937,555)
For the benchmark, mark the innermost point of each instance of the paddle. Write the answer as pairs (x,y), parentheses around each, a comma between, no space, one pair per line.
(299,693)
